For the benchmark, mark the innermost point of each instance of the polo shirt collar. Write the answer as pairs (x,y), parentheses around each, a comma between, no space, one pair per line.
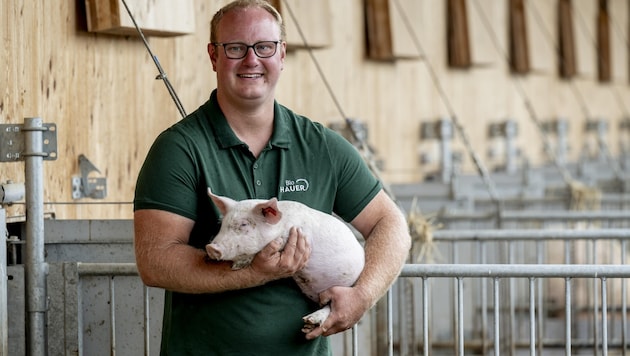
(226,136)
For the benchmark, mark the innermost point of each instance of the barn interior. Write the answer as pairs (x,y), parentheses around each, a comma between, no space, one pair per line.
(500,127)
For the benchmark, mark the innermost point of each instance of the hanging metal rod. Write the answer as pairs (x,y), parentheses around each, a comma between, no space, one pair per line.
(162,74)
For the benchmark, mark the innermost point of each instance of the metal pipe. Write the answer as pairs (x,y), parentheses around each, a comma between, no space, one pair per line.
(624,304)
(497,328)
(147,322)
(425,317)
(532,317)
(4,313)
(567,318)
(355,340)
(516,270)
(390,323)
(35,267)
(112,315)
(604,318)
(460,316)
(541,215)
(530,234)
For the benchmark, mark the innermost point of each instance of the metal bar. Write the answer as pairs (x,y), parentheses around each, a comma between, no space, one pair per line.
(460,316)
(604,318)
(4,313)
(567,318)
(390,324)
(112,314)
(530,234)
(106,269)
(595,299)
(532,317)
(425,317)
(34,264)
(147,321)
(512,303)
(540,257)
(455,259)
(497,328)
(516,270)
(435,270)
(543,215)
(484,302)
(355,340)
(624,304)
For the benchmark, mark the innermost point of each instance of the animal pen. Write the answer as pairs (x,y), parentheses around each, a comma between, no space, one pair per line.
(533,274)
(526,255)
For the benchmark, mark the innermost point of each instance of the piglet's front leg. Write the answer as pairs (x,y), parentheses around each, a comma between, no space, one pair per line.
(315,319)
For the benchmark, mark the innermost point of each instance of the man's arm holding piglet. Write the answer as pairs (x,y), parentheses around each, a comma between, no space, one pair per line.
(165,259)
(387,244)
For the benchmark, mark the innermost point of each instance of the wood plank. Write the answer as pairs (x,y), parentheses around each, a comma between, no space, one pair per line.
(567,57)
(155,18)
(308,18)
(604,64)
(519,44)
(458,42)
(378,33)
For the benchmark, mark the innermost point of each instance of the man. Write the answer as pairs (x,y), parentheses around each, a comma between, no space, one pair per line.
(243,144)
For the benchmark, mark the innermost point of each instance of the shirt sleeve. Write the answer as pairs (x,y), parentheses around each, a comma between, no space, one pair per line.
(357,185)
(168,178)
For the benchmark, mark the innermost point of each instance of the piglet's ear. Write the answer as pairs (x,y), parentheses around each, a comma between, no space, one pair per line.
(269,210)
(223,203)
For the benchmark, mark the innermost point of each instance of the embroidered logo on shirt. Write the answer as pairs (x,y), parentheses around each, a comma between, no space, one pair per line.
(298,185)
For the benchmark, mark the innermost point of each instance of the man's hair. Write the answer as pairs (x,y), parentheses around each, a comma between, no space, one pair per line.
(243,4)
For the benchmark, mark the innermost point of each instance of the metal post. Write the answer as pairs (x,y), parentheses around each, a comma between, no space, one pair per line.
(35,266)
(4,314)
(446,153)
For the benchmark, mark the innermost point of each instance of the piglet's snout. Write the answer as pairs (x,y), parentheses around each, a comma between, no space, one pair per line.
(214,251)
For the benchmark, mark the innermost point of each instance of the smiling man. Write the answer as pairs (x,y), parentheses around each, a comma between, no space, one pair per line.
(242,144)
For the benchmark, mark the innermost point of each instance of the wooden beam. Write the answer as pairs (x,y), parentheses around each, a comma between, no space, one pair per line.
(519,44)
(378,33)
(457,34)
(155,18)
(567,61)
(604,64)
(277,4)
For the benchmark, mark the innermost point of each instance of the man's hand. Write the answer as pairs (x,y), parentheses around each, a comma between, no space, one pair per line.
(276,262)
(347,306)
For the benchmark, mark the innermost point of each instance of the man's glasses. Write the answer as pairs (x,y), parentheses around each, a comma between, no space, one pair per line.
(237,50)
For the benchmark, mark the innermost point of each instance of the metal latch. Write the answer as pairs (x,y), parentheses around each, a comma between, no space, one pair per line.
(86,186)
(12,142)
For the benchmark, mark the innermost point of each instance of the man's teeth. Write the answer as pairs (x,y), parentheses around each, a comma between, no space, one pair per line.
(250,75)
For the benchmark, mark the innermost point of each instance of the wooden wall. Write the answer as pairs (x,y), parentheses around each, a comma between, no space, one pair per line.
(100,90)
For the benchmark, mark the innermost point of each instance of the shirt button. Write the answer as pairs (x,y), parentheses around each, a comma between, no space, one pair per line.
(258,182)
(255,165)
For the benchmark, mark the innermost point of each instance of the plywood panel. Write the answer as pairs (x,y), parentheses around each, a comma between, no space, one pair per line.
(542,31)
(310,19)
(100,91)
(585,20)
(619,36)
(156,17)
(407,19)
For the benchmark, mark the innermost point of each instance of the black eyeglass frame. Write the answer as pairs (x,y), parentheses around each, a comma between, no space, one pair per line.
(247,47)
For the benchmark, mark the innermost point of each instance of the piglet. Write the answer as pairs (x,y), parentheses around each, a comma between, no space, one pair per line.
(337,258)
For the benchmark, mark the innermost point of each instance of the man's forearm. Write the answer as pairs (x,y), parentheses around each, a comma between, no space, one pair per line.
(386,250)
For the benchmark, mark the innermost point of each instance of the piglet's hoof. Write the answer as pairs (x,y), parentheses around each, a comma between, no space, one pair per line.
(315,319)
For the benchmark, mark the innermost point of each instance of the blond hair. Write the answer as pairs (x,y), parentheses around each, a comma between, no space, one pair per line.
(243,4)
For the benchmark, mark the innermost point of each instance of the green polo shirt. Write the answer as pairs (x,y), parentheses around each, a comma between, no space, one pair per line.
(304,161)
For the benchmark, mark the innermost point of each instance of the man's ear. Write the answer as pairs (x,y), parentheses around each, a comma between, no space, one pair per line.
(212,53)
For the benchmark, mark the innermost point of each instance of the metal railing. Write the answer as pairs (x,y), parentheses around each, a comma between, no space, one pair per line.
(462,275)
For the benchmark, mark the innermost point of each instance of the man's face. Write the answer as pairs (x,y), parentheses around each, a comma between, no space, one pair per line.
(250,79)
